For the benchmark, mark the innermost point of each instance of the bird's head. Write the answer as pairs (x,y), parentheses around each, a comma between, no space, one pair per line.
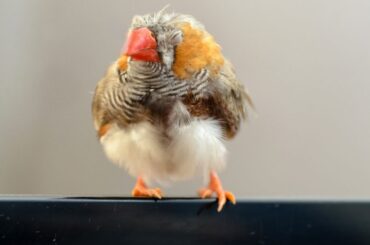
(153,38)
(177,41)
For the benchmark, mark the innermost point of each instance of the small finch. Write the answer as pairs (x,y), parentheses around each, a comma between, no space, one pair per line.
(168,103)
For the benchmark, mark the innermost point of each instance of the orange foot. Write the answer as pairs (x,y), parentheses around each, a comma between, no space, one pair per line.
(141,190)
(215,186)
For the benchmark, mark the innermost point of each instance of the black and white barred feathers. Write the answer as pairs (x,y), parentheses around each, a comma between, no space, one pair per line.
(127,95)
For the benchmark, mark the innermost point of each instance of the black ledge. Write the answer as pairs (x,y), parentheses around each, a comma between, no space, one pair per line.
(89,220)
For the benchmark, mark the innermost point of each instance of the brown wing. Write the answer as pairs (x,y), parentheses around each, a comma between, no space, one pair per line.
(224,99)
(99,108)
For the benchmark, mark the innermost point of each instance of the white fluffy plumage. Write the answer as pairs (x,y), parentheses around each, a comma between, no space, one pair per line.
(143,151)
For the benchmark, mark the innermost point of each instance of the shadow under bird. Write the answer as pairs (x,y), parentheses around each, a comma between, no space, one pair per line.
(167,104)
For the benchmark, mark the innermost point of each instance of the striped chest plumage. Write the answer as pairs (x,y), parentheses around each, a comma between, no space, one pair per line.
(146,92)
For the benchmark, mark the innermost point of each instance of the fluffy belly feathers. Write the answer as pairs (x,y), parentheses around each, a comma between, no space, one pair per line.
(144,150)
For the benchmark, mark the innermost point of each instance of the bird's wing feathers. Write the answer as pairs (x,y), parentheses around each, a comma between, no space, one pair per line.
(99,105)
(224,98)
(238,97)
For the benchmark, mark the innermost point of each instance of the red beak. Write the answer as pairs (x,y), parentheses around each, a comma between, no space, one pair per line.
(141,45)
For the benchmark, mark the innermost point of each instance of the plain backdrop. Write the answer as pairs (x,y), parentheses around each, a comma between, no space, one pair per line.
(306,64)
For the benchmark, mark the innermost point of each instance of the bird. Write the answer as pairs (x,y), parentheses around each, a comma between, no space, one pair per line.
(165,108)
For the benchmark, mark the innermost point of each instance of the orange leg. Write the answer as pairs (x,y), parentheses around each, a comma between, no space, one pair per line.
(141,190)
(215,186)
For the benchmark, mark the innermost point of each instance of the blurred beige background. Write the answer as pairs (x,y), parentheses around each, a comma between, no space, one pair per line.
(306,63)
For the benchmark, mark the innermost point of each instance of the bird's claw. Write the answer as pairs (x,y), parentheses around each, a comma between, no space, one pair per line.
(140,191)
(222,196)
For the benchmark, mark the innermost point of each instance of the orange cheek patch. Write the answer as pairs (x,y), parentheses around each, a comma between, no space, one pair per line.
(103,130)
(198,50)
(122,62)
